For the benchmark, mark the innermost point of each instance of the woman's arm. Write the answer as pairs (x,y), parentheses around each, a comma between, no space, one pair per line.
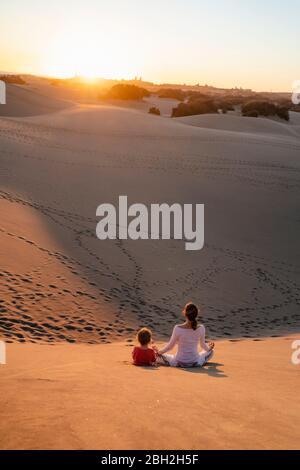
(203,344)
(171,343)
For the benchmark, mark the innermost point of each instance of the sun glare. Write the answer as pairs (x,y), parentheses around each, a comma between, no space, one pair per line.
(72,55)
(89,55)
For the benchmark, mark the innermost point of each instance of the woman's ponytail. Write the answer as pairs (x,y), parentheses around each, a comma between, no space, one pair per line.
(191,313)
(194,324)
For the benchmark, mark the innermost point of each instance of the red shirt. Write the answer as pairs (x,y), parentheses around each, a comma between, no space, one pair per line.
(143,357)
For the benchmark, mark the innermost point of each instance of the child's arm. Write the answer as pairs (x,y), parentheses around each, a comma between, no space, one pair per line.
(154,356)
(155,352)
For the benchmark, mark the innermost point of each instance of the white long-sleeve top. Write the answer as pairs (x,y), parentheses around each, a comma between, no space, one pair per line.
(188,341)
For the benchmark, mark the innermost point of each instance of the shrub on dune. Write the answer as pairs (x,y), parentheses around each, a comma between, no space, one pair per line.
(173,93)
(127,92)
(194,107)
(251,113)
(15,79)
(154,110)
(196,95)
(225,105)
(295,108)
(283,113)
(265,108)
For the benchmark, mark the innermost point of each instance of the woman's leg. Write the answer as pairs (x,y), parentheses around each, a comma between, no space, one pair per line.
(204,357)
(168,360)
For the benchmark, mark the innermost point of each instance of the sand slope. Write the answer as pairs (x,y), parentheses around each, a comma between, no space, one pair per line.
(57,168)
(23,100)
(61,285)
(230,122)
(90,397)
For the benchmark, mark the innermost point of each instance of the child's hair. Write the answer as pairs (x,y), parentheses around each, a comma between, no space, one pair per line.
(191,313)
(144,336)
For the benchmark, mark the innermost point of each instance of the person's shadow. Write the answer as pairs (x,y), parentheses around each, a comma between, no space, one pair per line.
(211,369)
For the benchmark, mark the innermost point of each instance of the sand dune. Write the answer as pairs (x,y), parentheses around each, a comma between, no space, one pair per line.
(165,105)
(295,118)
(230,122)
(57,168)
(23,100)
(61,285)
(247,398)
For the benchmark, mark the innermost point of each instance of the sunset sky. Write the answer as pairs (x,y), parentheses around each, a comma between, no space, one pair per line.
(252,44)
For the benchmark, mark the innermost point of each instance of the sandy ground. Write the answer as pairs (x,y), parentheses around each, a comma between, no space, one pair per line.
(91,397)
(234,123)
(59,284)
(24,100)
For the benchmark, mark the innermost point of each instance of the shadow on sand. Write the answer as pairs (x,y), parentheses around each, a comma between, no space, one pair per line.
(211,368)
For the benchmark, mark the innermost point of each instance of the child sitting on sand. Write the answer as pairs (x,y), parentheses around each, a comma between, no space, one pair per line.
(144,355)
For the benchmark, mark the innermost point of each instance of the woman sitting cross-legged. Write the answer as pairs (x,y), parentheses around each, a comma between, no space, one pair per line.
(187,337)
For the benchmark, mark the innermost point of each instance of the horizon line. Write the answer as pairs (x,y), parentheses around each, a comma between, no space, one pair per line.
(138,78)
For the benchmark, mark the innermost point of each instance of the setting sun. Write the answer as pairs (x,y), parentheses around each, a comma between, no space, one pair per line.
(164,42)
(73,54)
(89,53)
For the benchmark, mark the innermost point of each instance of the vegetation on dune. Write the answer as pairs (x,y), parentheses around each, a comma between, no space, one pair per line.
(265,108)
(296,108)
(127,92)
(225,105)
(154,110)
(251,113)
(172,93)
(180,95)
(283,113)
(198,103)
(195,106)
(192,100)
(15,79)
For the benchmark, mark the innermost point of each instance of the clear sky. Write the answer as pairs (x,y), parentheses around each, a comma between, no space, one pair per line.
(249,43)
